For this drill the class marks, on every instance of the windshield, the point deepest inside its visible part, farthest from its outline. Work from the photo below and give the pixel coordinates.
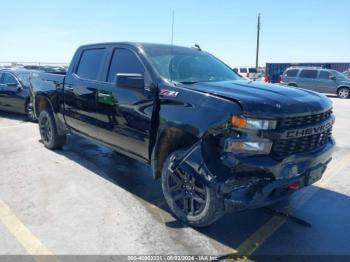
(24, 78)
(187, 65)
(339, 75)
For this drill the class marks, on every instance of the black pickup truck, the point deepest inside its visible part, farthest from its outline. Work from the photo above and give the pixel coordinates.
(218, 143)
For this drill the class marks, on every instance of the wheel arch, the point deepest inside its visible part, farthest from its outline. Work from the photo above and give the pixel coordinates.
(343, 86)
(43, 102)
(169, 139)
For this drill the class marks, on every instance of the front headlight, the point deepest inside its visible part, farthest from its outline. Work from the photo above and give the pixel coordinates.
(252, 123)
(232, 145)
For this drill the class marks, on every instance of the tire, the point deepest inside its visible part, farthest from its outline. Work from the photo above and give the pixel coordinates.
(343, 92)
(292, 85)
(30, 112)
(48, 131)
(198, 206)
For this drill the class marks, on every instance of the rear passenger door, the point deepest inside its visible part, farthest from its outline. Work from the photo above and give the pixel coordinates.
(80, 90)
(308, 79)
(325, 83)
(124, 113)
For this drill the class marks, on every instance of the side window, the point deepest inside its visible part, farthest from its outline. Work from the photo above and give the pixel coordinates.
(292, 73)
(324, 75)
(91, 62)
(124, 61)
(243, 70)
(9, 79)
(307, 73)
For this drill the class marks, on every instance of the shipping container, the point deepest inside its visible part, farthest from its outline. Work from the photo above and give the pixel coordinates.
(275, 70)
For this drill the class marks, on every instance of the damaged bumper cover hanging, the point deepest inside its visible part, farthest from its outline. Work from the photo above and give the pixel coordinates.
(250, 191)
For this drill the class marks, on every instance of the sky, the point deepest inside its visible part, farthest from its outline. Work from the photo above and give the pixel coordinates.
(291, 31)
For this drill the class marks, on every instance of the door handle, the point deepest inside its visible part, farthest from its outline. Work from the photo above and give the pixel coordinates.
(102, 95)
(69, 88)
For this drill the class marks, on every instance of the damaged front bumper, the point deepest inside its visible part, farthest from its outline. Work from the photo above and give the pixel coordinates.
(244, 189)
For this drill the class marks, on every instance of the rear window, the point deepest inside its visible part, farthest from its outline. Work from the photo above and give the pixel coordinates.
(243, 70)
(252, 70)
(308, 73)
(292, 73)
(91, 63)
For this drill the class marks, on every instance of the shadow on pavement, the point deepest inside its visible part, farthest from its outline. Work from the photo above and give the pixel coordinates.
(13, 116)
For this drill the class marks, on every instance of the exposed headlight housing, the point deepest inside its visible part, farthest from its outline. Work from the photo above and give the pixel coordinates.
(232, 145)
(252, 123)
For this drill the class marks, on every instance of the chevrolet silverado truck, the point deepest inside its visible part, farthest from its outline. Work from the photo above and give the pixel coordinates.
(219, 144)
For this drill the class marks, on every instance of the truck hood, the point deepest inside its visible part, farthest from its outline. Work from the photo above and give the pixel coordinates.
(260, 99)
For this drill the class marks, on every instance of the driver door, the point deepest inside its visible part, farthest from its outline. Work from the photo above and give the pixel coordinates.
(124, 113)
(10, 98)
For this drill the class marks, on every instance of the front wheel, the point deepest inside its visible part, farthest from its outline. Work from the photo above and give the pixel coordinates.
(343, 92)
(190, 201)
(48, 131)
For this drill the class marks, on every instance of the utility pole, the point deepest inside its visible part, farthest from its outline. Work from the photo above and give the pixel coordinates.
(172, 28)
(257, 44)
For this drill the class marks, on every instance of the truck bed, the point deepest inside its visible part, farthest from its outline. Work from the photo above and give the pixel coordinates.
(46, 82)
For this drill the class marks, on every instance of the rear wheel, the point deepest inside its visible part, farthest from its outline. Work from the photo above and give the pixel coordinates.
(48, 131)
(190, 201)
(343, 92)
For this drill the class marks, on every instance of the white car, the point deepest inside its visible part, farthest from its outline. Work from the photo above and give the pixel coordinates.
(248, 72)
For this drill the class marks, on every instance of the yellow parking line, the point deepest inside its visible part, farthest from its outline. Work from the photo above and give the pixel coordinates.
(22, 234)
(249, 246)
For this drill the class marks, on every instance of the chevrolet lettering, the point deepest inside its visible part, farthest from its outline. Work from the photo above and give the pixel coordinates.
(310, 131)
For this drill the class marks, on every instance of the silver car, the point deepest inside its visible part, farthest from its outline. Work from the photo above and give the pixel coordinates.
(316, 79)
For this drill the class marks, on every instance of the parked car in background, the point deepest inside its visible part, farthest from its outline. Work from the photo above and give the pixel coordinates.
(48, 69)
(347, 73)
(248, 72)
(15, 92)
(275, 70)
(316, 79)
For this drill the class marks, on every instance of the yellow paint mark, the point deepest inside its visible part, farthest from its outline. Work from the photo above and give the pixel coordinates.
(23, 235)
(249, 246)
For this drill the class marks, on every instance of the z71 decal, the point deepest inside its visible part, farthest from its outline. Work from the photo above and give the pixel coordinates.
(164, 92)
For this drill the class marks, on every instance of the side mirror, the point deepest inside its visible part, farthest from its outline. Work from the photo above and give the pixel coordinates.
(332, 78)
(130, 80)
